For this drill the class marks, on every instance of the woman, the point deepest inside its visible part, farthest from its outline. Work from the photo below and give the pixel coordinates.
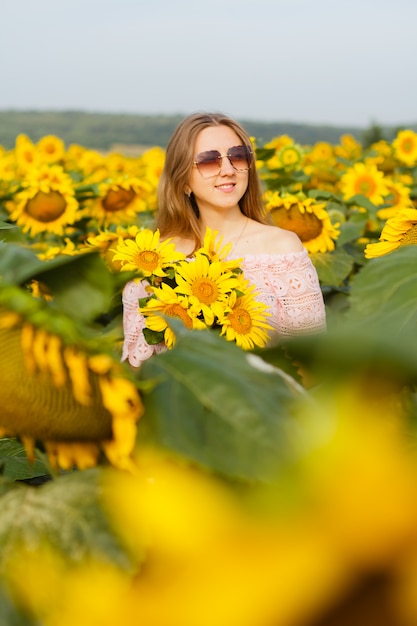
(210, 180)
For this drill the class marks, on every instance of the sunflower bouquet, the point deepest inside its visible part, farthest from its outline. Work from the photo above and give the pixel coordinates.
(207, 291)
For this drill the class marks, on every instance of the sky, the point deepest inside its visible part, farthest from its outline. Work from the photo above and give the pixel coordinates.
(333, 62)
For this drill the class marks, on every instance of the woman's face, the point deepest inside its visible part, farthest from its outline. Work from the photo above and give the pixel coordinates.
(224, 189)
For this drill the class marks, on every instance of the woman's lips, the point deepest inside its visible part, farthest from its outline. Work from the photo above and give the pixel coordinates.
(226, 187)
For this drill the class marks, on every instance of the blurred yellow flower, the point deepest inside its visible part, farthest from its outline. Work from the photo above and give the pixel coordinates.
(349, 148)
(398, 198)
(119, 201)
(405, 147)
(366, 180)
(51, 149)
(46, 204)
(71, 400)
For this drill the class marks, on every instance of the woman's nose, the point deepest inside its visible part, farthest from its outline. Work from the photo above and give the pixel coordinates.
(226, 167)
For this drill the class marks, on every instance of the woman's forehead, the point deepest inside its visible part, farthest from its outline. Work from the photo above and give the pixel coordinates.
(216, 138)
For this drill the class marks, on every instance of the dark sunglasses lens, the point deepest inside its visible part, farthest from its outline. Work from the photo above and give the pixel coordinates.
(240, 157)
(208, 163)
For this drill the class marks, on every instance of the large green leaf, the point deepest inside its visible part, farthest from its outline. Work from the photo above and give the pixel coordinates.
(226, 409)
(386, 288)
(17, 263)
(82, 285)
(14, 462)
(83, 288)
(332, 267)
(351, 231)
(64, 514)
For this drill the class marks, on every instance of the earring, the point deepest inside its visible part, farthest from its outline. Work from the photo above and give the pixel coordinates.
(188, 192)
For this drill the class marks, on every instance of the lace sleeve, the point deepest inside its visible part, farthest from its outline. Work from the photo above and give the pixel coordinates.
(135, 348)
(289, 285)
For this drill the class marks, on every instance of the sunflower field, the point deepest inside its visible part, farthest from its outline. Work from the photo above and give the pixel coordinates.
(222, 483)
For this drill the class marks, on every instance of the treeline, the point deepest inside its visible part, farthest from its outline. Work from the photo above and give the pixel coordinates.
(101, 131)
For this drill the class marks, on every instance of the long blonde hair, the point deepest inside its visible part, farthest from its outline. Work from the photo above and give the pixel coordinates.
(178, 213)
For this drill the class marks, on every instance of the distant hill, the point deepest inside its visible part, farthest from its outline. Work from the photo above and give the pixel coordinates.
(101, 131)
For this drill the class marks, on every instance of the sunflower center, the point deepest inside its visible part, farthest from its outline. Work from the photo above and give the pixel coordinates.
(205, 290)
(306, 225)
(46, 207)
(117, 199)
(240, 321)
(147, 260)
(365, 186)
(410, 237)
(289, 156)
(407, 146)
(176, 310)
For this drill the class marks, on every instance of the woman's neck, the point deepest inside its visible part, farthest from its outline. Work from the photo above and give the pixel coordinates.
(228, 225)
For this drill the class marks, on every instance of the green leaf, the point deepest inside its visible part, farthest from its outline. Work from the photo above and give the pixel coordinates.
(332, 267)
(17, 263)
(386, 288)
(217, 405)
(15, 464)
(364, 202)
(321, 194)
(6, 225)
(83, 287)
(64, 514)
(350, 231)
(153, 337)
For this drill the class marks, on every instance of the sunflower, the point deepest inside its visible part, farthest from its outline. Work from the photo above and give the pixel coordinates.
(288, 155)
(291, 156)
(46, 204)
(400, 230)
(206, 285)
(214, 249)
(405, 147)
(366, 180)
(348, 148)
(166, 302)
(26, 154)
(51, 149)
(245, 322)
(106, 241)
(7, 170)
(74, 399)
(119, 201)
(398, 198)
(322, 151)
(308, 219)
(321, 167)
(146, 254)
(65, 247)
(80, 159)
(384, 157)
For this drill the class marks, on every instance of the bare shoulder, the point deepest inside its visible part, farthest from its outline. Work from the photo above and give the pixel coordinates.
(267, 239)
(186, 246)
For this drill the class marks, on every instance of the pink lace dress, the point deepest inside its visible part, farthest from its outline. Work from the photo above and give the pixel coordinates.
(287, 283)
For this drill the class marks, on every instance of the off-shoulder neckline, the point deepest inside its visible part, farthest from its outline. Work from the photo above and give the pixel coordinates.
(268, 256)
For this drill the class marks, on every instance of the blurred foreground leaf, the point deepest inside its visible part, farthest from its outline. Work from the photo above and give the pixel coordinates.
(15, 464)
(64, 514)
(224, 408)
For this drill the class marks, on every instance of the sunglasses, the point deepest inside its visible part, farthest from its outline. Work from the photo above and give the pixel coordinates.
(210, 163)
